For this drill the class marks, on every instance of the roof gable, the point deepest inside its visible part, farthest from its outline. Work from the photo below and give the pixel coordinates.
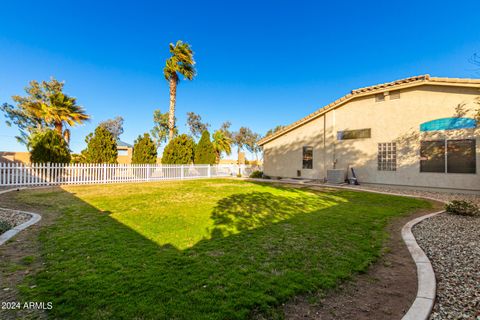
(394, 85)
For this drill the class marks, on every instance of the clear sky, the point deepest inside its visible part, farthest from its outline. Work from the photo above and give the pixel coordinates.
(260, 63)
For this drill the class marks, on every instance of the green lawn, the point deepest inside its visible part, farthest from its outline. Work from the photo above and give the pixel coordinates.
(204, 249)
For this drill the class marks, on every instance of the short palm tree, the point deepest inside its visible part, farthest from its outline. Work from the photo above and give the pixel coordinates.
(61, 110)
(181, 62)
(221, 143)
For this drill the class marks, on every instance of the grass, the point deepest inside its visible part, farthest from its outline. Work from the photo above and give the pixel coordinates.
(204, 249)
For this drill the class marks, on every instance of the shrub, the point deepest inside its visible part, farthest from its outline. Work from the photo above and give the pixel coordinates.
(5, 226)
(180, 150)
(257, 174)
(101, 147)
(205, 152)
(78, 158)
(464, 208)
(48, 146)
(144, 150)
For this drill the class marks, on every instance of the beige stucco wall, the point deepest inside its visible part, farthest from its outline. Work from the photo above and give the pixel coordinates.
(15, 156)
(283, 156)
(390, 121)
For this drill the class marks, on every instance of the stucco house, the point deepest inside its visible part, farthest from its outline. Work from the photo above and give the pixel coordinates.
(420, 131)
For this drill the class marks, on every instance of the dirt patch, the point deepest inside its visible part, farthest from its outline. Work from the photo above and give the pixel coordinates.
(385, 291)
(19, 258)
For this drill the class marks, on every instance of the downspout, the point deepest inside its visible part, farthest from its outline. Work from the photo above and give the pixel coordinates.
(324, 148)
(334, 139)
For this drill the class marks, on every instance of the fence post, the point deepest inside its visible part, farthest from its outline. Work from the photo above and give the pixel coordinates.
(148, 172)
(181, 172)
(104, 173)
(209, 171)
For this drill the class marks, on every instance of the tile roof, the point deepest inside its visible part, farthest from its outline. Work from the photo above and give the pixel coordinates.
(412, 81)
(120, 143)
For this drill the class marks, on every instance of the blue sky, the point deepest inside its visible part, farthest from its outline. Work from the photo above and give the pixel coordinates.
(260, 63)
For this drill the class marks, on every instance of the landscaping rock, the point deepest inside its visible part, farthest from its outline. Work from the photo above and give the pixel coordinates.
(440, 196)
(452, 243)
(13, 217)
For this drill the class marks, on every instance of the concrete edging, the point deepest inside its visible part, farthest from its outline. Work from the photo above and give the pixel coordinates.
(35, 217)
(422, 306)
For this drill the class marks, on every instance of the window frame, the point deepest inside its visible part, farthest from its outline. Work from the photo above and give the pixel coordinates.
(341, 134)
(306, 161)
(446, 155)
(474, 155)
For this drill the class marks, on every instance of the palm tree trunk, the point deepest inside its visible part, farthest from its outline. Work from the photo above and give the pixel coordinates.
(171, 114)
(59, 127)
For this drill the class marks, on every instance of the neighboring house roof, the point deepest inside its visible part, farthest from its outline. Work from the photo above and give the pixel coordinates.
(120, 143)
(394, 85)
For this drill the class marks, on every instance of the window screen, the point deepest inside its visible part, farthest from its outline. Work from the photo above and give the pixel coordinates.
(432, 156)
(461, 156)
(354, 134)
(387, 156)
(307, 158)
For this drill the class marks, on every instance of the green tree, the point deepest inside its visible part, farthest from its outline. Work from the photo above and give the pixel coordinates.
(160, 128)
(144, 150)
(62, 111)
(251, 143)
(240, 138)
(115, 126)
(205, 152)
(44, 106)
(225, 128)
(181, 62)
(246, 138)
(272, 131)
(195, 124)
(180, 150)
(48, 146)
(101, 147)
(221, 143)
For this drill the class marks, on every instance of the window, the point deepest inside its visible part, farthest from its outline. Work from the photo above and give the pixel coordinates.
(307, 158)
(394, 94)
(461, 156)
(450, 156)
(379, 97)
(122, 152)
(432, 156)
(387, 156)
(354, 134)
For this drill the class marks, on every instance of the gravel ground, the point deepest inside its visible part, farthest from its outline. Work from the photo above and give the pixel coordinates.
(13, 218)
(452, 244)
(442, 196)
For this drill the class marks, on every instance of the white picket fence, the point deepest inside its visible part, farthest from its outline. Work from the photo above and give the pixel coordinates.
(45, 174)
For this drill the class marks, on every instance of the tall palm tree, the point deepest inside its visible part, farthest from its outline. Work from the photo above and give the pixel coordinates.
(181, 62)
(59, 111)
(221, 143)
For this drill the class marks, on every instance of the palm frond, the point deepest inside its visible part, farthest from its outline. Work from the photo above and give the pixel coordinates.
(181, 61)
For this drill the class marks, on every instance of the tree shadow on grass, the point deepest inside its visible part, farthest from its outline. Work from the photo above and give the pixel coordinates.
(246, 211)
(268, 247)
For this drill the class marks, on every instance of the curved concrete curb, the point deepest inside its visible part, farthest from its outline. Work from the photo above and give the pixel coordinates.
(426, 291)
(35, 217)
